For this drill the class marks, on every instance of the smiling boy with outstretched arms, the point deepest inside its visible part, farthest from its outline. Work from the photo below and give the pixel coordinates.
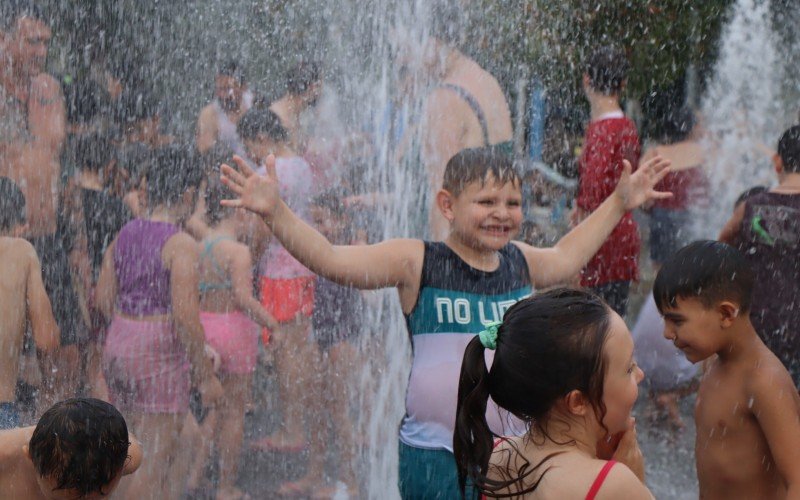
(448, 289)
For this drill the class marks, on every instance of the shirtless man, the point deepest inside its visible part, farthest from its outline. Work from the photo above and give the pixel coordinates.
(218, 120)
(23, 299)
(32, 131)
(303, 90)
(466, 107)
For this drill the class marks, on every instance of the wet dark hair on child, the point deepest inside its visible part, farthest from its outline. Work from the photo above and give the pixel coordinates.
(607, 68)
(678, 124)
(475, 165)
(302, 76)
(447, 22)
(136, 105)
(231, 68)
(12, 205)
(262, 122)
(175, 170)
(215, 192)
(82, 443)
(547, 346)
(332, 200)
(93, 152)
(789, 150)
(708, 271)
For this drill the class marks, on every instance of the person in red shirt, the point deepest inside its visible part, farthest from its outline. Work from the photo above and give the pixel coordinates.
(611, 139)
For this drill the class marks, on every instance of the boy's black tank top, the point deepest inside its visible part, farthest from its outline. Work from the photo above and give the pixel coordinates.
(770, 241)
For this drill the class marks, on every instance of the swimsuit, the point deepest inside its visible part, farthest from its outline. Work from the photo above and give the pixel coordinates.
(506, 147)
(208, 252)
(144, 362)
(233, 335)
(600, 479)
(336, 316)
(286, 285)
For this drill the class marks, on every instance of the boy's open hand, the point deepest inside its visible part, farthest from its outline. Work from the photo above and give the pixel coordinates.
(256, 193)
(636, 188)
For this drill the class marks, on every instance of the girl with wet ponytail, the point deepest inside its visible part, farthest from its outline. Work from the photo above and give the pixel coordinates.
(563, 363)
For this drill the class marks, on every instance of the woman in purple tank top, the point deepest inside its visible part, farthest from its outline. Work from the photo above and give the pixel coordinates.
(153, 352)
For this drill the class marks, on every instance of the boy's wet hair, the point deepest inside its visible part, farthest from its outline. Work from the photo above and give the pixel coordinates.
(547, 346)
(231, 68)
(607, 68)
(475, 165)
(176, 169)
(447, 23)
(81, 443)
(93, 152)
(12, 205)
(707, 271)
(262, 122)
(302, 76)
(136, 105)
(789, 150)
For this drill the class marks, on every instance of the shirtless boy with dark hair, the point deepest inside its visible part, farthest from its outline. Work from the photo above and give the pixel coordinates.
(748, 410)
(22, 299)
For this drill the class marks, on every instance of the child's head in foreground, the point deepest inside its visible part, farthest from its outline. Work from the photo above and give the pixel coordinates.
(787, 160)
(563, 360)
(606, 71)
(703, 290)
(262, 132)
(12, 208)
(79, 449)
(481, 198)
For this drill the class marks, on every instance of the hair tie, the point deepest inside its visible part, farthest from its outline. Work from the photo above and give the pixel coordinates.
(489, 335)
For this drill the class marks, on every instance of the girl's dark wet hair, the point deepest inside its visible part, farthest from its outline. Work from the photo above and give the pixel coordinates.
(262, 122)
(607, 68)
(547, 346)
(708, 271)
(82, 443)
(475, 165)
(216, 191)
(12, 205)
(175, 170)
(302, 76)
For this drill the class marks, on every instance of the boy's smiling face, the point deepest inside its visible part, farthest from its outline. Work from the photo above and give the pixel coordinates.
(486, 215)
(694, 328)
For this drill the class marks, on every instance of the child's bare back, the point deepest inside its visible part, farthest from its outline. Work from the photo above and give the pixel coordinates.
(734, 459)
(22, 299)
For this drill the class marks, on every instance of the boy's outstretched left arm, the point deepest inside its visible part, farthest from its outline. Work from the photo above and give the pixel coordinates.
(550, 266)
(776, 406)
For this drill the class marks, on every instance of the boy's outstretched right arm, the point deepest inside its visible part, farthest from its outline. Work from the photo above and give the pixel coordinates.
(392, 263)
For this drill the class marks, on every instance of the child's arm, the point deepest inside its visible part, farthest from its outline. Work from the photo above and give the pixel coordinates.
(776, 406)
(106, 289)
(46, 335)
(390, 263)
(182, 255)
(550, 266)
(242, 284)
(731, 229)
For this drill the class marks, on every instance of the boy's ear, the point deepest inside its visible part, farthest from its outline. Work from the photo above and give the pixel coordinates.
(27, 451)
(586, 83)
(777, 162)
(576, 403)
(445, 201)
(728, 312)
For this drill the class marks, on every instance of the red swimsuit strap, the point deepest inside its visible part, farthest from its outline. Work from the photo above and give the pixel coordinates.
(601, 477)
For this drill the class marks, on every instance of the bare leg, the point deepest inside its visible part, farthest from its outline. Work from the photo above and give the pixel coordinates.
(196, 442)
(158, 433)
(230, 431)
(291, 352)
